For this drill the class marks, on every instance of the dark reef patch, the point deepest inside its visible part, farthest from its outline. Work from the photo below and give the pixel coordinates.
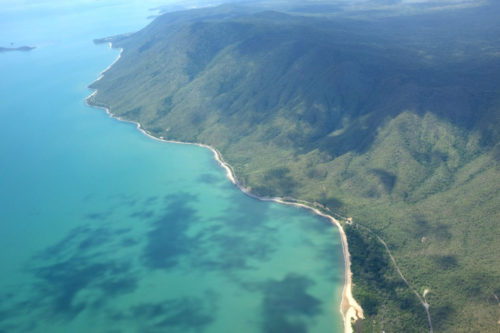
(246, 216)
(60, 283)
(168, 240)
(142, 214)
(95, 238)
(239, 237)
(185, 314)
(230, 252)
(121, 199)
(58, 249)
(98, 216)
(151, 200)
(129, 241)
(81, 240)
(287, 306)
(75, 274)
(229, 244)
(208, 178)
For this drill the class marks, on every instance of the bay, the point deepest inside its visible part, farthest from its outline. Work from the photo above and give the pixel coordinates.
(106, 230)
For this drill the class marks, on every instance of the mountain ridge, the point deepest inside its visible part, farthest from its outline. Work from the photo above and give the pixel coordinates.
(393, 130)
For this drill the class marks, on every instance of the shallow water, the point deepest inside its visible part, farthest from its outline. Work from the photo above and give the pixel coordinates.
(105, 230)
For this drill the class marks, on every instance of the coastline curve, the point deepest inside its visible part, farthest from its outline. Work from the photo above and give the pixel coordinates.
(350, 309)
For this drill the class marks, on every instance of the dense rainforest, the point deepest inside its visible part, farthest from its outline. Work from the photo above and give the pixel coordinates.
(390, 116)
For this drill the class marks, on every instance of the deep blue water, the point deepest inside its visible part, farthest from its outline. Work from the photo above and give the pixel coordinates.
(105, 230)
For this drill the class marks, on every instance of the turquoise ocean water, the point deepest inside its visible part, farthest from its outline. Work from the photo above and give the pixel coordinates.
(103, 229)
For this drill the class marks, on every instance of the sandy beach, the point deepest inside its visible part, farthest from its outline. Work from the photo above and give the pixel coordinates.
(101, 74)
(349, 308)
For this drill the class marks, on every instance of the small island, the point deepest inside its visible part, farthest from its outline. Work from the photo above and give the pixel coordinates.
(20, 48)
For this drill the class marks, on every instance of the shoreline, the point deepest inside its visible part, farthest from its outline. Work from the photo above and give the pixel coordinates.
(350, 310)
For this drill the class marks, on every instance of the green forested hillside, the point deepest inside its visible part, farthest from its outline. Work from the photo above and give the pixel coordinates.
(394, 121)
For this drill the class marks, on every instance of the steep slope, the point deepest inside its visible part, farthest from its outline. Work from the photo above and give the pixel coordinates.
(393, 121)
